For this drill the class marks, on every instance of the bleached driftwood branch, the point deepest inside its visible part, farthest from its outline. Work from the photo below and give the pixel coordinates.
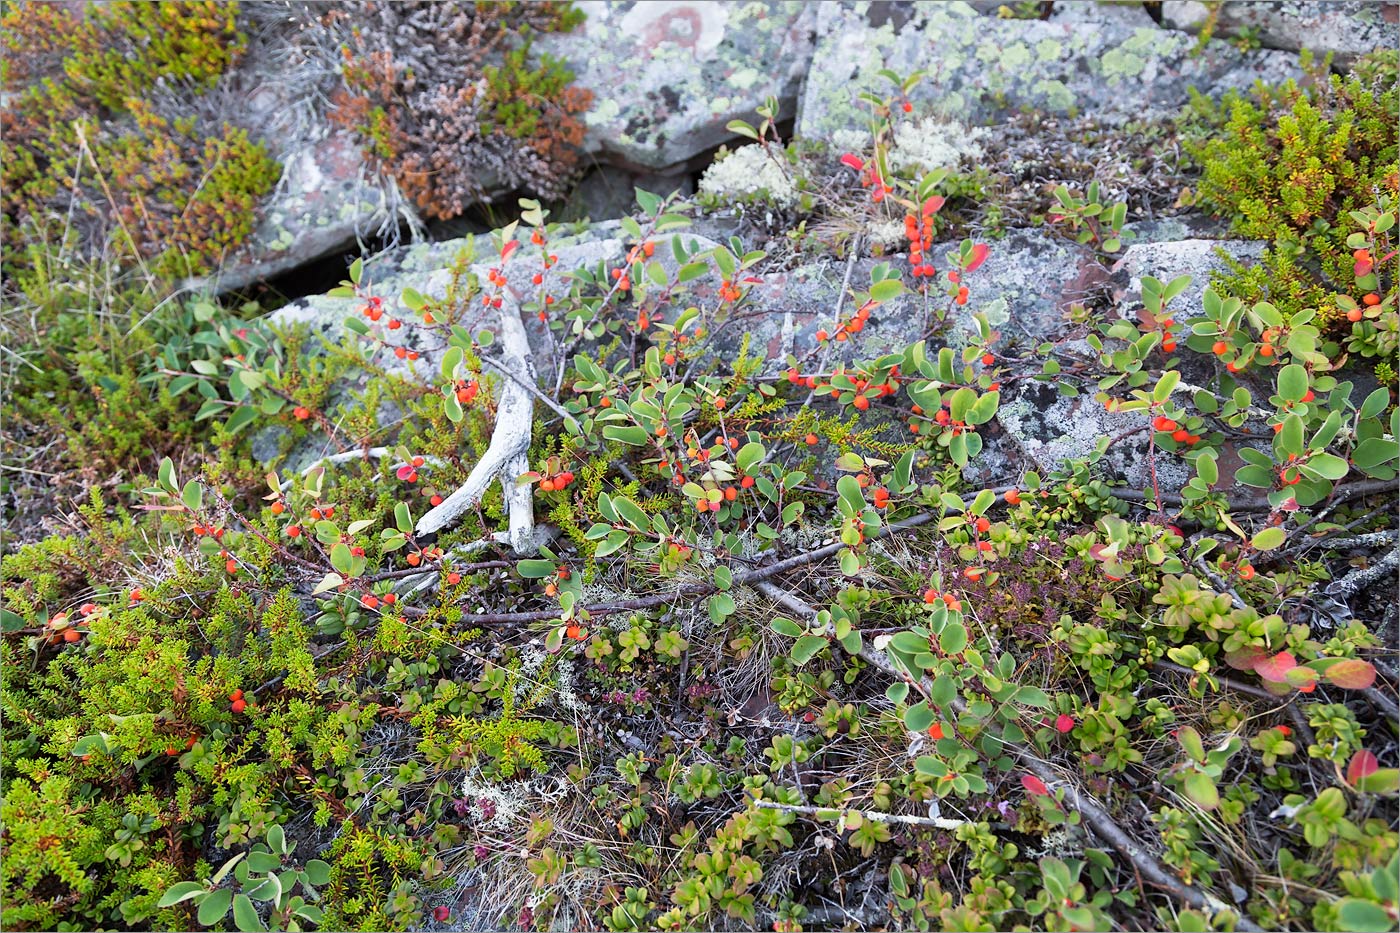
(506, 456)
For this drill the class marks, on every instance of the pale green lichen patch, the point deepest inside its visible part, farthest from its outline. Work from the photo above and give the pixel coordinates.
(750, 173)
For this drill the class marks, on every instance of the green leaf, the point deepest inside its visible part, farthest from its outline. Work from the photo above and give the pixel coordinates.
(785, 626)
(1358, 916)
(850, 493)
(723, 577)
(245, 915)
(750, 454)
(1200, 788)
(535, 569)
(1166, 385)
(1375, 403)
(192, 496)
(1374, 451)
(10, 621)
(953, 638)
(886, 290)
(615, 540)
(180, 891)
(1327, 466)
(626, 434)
(213, 907)
(318, 872)
(1268, 539)
(1032, 696)
(1293, 382)
(806, 648)
(243, 416)
(918, 717)
(357, 269)
(896, 693)
(341, 558)
(721, 606)
(631, 513)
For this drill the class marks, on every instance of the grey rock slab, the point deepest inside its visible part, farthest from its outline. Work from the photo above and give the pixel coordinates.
(980, 68)
(1199, 259)
(668, 75)
(1347, 28)
(325, 202)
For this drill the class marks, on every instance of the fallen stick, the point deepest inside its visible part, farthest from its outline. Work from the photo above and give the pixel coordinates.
(874, 817)
(506, 456)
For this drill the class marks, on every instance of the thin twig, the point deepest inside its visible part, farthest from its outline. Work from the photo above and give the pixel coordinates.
(873, 816)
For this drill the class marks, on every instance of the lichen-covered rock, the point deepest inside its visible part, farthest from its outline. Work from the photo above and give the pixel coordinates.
(979, 68)
(668, 75)
(1346, 28)
(325, 201)
(1165, 261)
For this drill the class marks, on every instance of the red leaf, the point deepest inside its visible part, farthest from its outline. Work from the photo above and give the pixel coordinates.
(1064, 723)
(979, 256)
(509, 248)
(1351, 674)
(933, 204)
(1363, 763)
(1273, 669)
(1245, 658)
(1034, 785)
(853, 161)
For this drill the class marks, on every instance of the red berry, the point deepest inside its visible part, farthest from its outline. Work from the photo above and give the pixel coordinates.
(441, 913)
(239, 705)
(454, 578)
(369, 601)
(861, 402)
(1220, 348)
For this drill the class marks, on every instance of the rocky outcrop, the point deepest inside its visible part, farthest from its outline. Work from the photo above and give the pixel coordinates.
(1346, 28)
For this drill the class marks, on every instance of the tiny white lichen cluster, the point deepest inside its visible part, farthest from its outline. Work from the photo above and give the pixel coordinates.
(931, 143)
(749, 173)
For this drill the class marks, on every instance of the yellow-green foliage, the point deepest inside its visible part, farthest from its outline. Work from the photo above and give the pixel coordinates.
(83, 142)
(1287, 165)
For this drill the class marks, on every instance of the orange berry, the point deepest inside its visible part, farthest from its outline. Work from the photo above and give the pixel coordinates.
(1372, 299)
(239, 705)
(231, 565)
(822, 335)
(71, 635)
(1354, 315)
(721, 402)
(988, 359)
(984, 524)
(861, 402)
(1220, 348)
(369, 601)
(1247, 572)
(731, 493)
(1180, 435)
(930, 596)
(293, 531)
(703, 505)
(547, 485)
(454, 578)
(1012, 497)
(1267, 350)
(278, 507)
(811, 440)
(669, 359)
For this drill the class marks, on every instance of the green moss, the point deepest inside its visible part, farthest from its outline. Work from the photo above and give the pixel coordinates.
(82, 140)
(1287, 165)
